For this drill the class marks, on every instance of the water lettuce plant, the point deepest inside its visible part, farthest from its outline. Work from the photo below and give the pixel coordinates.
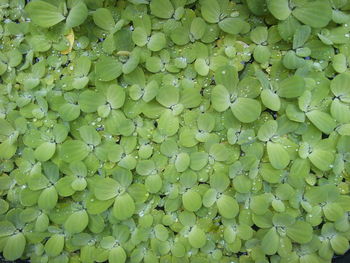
(174, 130)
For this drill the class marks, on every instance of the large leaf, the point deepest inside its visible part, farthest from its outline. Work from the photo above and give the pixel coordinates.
(227, 206)
(45, 151)
(279, 8)
(74, 150)
(106, 188)
(270, 242)
(76, 222)
(161, 8)
(196, 237)
(246, 110)
(54, 245)
(77, 14)
(43, 13)
(314, 13)
(14, 247)
(300, 232)
(103, 18)
(124, 207)
(211, 11)
(278, 155)
(323, 121)
(107, 69)
(220, 98)
(291, 87)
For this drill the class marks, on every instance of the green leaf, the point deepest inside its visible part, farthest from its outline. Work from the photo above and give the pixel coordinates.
(232, 25)
(44, 14)
(103, 18)
(339, 244)
(227, 206)
(219, 152)
(301, 35)
(198, 27)
(210, 10)
(6, 228)
(157, 42)
(77, 15)
(267, 130)
(74, 150)
(182, 162)
(69, 112)
(54, 246)
(117, 255)
(278, 155)
(270, 100)
(48, 198)
(45, 151)
(322, 159)
(168, 124)
(197, 237)
(14, 247)
(89, 101)
(76, 222)
(333, 211)
(115, 96)
(191, 200)
(315, 14)
(270, 242)
(106, 188)
(89, 135)
(323, 121)
(201, 67)
(124, 207)
(300, 232)
(161, 8)
(291, 87)
(220, 98)
(107, 69)
(246, 110)
(279, 8)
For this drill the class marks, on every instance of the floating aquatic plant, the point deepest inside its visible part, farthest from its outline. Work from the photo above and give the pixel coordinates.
(174, 130)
